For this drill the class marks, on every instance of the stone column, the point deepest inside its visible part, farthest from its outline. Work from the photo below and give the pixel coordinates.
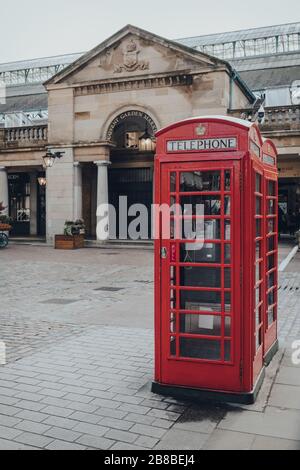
(33, 203)
(4, 188)
(77, 191)
(102, 190)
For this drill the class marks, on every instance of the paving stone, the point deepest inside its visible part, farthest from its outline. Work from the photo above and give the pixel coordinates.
(288, 376)
(146, 442)
(274, 422)
(34, 440)
(62, 434)
(35, 416)
(125, 446)
(110, 413)
(100, 443)
(92, 429)
(229, 440)
(285, 396)
(8, 421)
(124, 436)
(64, 423)
(182, 440)
(33, 427)
(8, 432)
(11, 445)
(116, 423)
(61, 445)
(57, 411)
(271, 443)
(147, 430)
(86, 417)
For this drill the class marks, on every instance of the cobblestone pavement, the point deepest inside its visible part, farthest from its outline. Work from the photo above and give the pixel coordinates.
(86, 362)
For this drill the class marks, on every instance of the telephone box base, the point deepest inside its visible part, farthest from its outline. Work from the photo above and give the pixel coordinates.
(201, 395)
(271, 353)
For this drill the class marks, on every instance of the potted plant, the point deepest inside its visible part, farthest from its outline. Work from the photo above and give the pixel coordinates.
(73, 237)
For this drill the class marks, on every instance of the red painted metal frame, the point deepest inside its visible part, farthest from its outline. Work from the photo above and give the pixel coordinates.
(242, 372)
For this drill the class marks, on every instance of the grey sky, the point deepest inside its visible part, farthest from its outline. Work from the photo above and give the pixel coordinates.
(37, 28)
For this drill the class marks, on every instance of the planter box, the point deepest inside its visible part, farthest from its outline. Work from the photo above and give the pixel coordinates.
(5, 227)
(68, 242)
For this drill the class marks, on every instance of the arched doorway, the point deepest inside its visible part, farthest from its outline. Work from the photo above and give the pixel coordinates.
(131, 171)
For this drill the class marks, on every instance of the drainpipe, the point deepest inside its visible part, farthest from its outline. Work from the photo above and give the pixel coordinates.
(232, 79)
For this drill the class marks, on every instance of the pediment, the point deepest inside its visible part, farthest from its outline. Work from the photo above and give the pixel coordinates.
(134, 52)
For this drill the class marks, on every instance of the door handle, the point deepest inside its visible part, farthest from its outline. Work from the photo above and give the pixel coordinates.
(164, 253)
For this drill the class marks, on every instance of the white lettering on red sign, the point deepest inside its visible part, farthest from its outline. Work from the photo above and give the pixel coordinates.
(226, 143)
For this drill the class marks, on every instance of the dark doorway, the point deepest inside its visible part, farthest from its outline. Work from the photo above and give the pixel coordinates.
(134, 183)
(19, 203)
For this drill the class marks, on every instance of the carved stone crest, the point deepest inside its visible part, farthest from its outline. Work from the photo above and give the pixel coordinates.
(131, 61)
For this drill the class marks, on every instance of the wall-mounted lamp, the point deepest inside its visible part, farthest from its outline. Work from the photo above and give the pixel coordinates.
(42, 181)
(146, 142)
(50, 158)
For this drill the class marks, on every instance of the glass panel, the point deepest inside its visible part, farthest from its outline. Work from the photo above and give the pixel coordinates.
(173, 275)
(200, 181)
(200, 348)
(227, 254)
(258, 228)
(258, 317)
(173, 296)
(173, 323)
(227, 302)
(258, 205)
(271, 244)
(196, 205)
(271, 206)
(200, 301)
(200, 277)
(173, 346)
(271, 298)
(258, 340)
(228, 326)
(193, 229)
(271, 225)
(227, 278)
(227, 208)
(258, 183)
(271, 188)
(271, 316)
(207, 325)
(258, 251)
(271, 280)
(200, 253)
(227, 180)
(258, 271)
(173, 182)
(227, 351)
(257, 296)
(227, 230)
(271, 262)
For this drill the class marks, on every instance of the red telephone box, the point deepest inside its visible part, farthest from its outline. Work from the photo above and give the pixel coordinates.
(215, 292)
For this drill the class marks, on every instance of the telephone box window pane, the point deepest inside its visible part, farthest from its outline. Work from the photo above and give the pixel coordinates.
(192, 229)
(173, 182)
(227, 302)
(173, 275)
(258, 205)
(227, 230)
(173, 297)
(271, 280)
(200, 253)
(200, 348)
(227, 278)
(172, 323)
(258, 251)
(271, 316)
(271, 225)
(258, 340)
(227, 351)
(258, 317)
(271, 298)
(200, 181)
(271, 262)
(199, 204)
(191, 276)
(258, 183)
(206, 325)
(227, 208)
(271, 207)
(271, 244)
(227, 254)
(258, 228)
(227, 180)
(257, 296)
(258, 270)
(228, 326)
(200, 301)
(173, 346)
(271, 188)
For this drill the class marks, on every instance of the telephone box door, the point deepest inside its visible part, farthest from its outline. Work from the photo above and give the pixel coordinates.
(201, 276)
